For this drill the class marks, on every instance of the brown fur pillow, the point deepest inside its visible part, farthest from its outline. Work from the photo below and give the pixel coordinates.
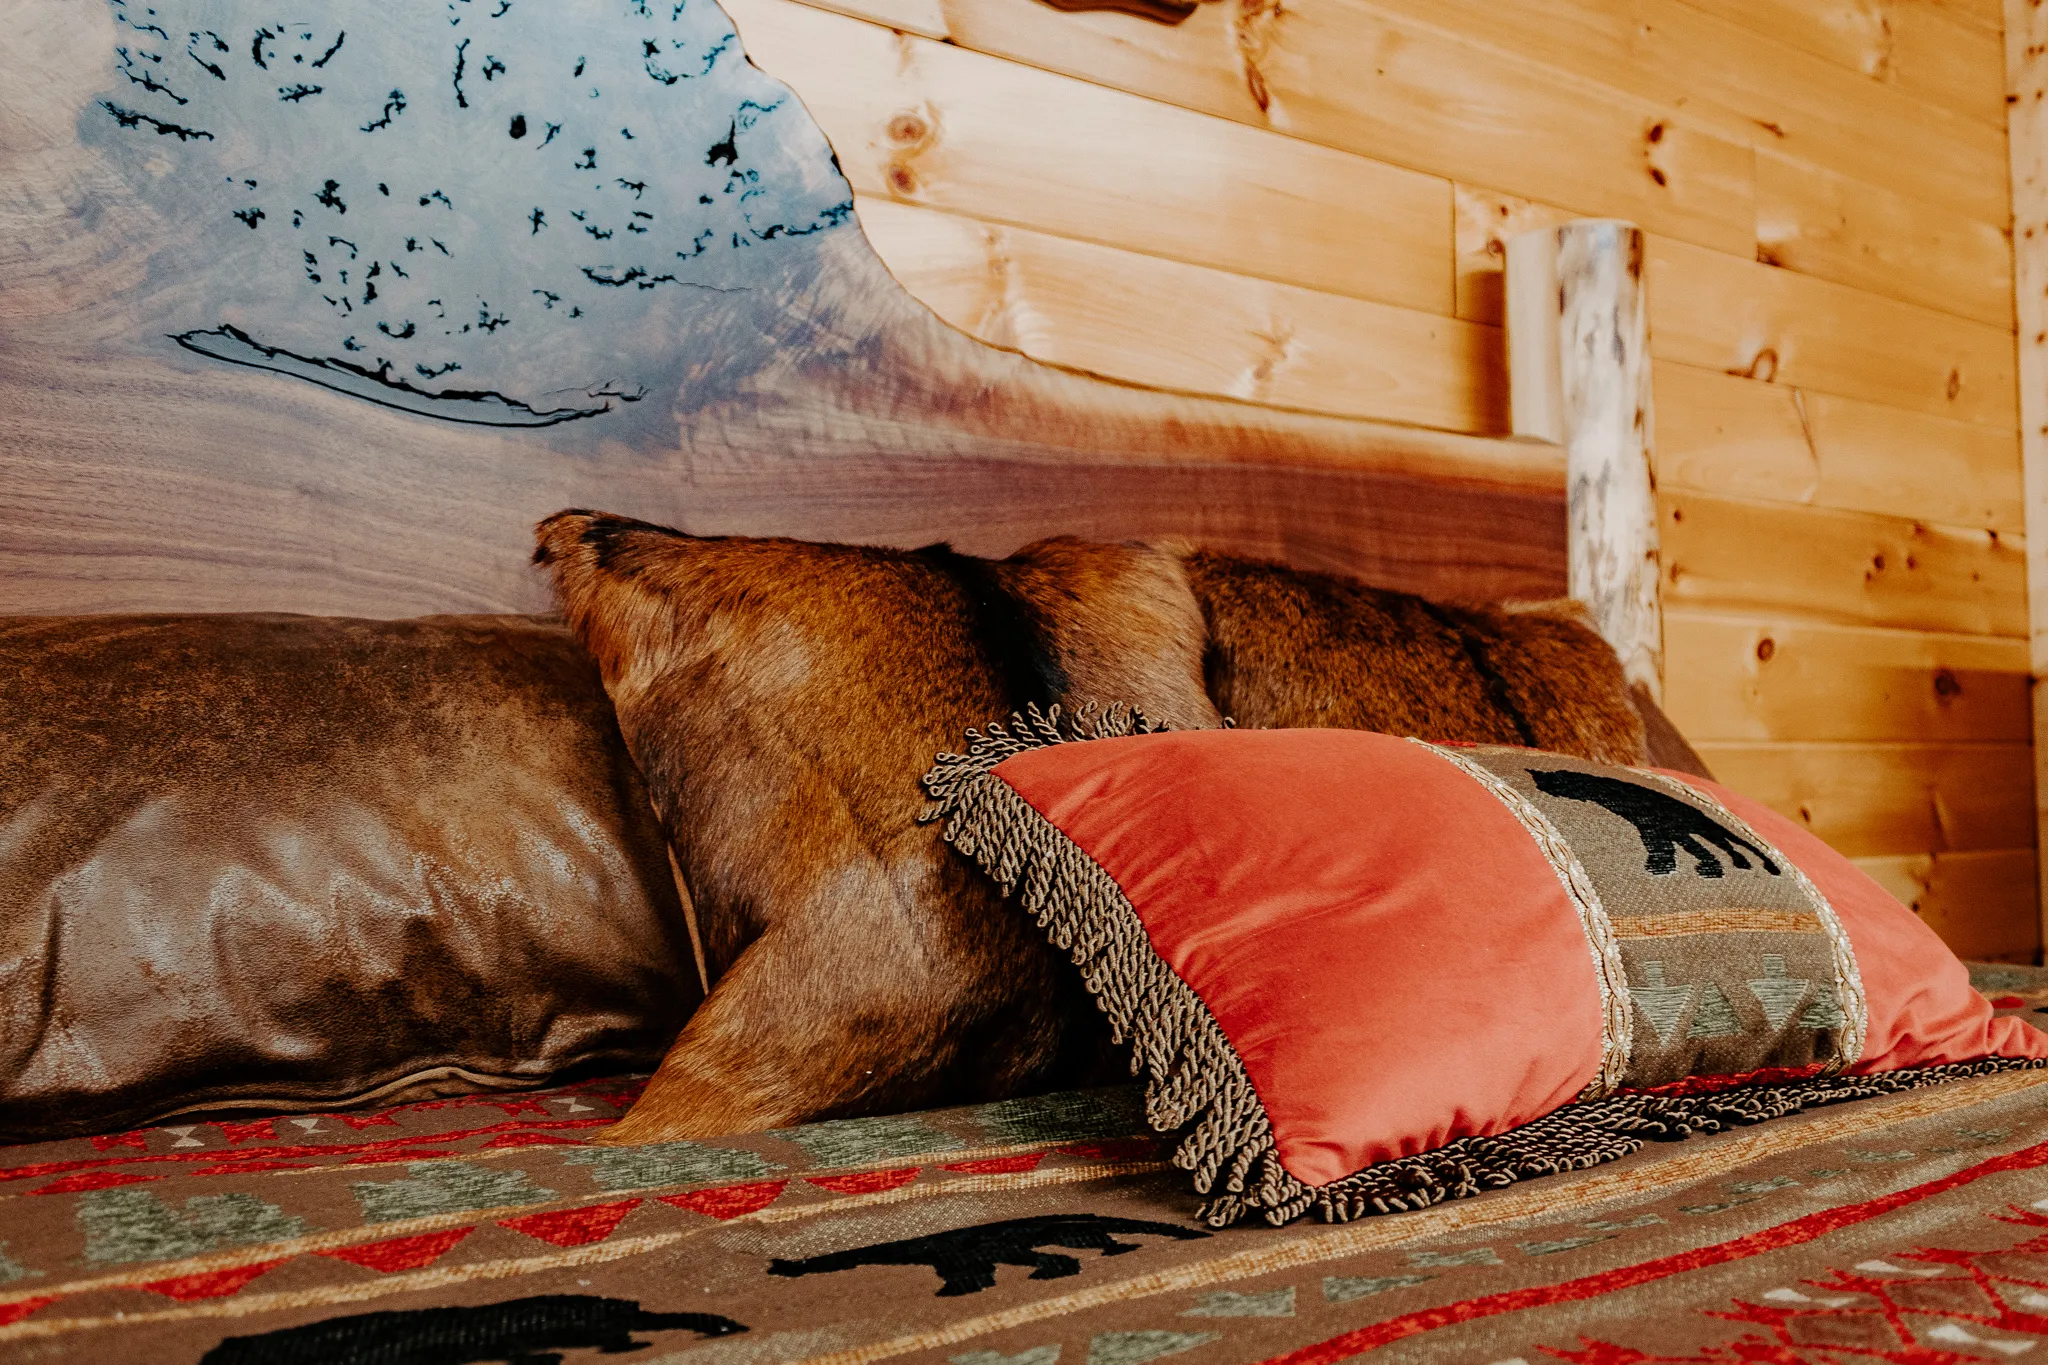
(1290, 649)
(783, 700)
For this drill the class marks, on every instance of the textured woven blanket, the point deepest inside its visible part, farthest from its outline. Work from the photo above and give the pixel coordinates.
(1039, 1232)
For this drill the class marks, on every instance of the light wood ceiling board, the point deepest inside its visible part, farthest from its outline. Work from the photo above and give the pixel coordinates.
(932, 124)
(1819, 223)
(1874, 800)
(1405, 91)
(1742, 317)
(1152, 321)
(1782, 678)
(1734, 437)
(1919, 48)
(1849, 567)
(1982, 903)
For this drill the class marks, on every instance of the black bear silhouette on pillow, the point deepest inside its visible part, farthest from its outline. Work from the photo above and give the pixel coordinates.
(1664, 823)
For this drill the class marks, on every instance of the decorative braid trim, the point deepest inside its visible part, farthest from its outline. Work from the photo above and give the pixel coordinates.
(1194, 1078)
(1589, 1133)
(1196, 1083)
(1617, 1007)
(1849, 993)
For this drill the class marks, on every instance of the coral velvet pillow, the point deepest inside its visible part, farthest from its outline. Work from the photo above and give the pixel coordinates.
(1369, 973)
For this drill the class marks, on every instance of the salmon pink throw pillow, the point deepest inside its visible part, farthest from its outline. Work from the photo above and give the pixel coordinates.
(1366, 974)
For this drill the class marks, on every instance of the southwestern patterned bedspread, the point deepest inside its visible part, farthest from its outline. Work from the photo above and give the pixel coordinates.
(1035, 1232)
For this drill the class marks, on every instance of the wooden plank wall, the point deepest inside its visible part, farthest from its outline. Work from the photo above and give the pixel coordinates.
(1300, 203)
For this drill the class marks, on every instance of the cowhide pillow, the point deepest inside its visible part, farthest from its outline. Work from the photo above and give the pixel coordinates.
(783, 699)
(293, 862)
(1291, 649)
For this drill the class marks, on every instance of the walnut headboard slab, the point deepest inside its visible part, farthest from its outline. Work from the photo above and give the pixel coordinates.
(330, 355)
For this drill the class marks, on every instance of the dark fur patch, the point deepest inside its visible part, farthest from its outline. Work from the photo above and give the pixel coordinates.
(1290, 648)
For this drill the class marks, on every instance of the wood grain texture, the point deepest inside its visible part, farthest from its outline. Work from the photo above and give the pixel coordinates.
(1922, 49)
(1869, 800)
(932, 124)
(1744, 86)
(1152, 321)
(1484, 222)
(1787, 679)
(1743, 317)
(1743, 438)
(2026, 66)
(1403, 89)
(1609, 427)
(803, 392)
(1821, 223)
(1847, 567)
(1982, 904)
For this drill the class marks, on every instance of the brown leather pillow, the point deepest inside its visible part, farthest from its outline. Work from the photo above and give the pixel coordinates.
(289, 862)
(1292, 649)
(784, 699)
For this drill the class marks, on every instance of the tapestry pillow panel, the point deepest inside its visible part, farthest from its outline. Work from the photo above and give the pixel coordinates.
(1366, 974)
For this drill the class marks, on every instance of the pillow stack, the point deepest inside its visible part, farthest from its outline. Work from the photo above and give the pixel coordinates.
(784, 699)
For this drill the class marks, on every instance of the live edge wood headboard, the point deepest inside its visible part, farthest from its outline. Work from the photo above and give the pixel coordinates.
(322, 317)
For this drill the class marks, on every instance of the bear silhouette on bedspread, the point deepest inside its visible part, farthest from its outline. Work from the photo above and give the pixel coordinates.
(966, 1258)
(1664, 823)
(529, 1331)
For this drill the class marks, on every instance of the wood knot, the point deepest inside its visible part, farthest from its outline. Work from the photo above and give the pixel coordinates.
(908, 128)
(1765, 648)
(1955, 384)
(1946, 685)
(1763, 367)
(902, 179)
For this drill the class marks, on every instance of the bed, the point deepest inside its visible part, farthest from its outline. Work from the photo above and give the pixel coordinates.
(258, 459)
(1034, 1230)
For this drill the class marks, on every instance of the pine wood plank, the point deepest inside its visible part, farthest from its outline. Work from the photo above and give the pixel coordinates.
(1484, 221)
(1782, 678)
(927, 123)
(1402, 90)
(1988, 15)
(1847, 567)
(1873, 800)
(1982, 904)
(1742, 317)
(1736, 437)
(2026, 50)
(1919, 48)
(1169, 325)
(1743, 86)
(1820, 223)
(926, 18)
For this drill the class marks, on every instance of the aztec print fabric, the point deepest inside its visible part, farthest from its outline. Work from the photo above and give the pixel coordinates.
(1366, 974)
(1050, 1231)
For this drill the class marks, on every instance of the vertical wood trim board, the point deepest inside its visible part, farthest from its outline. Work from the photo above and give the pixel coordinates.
(1579, 366)
(2026, 76)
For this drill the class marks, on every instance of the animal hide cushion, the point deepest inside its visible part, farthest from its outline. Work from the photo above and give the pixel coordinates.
(783, 699)
(1292, 649)
(1365, 974)
(287, 862)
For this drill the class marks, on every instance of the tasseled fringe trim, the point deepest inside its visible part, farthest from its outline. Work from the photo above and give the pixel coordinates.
(1195, 1082)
